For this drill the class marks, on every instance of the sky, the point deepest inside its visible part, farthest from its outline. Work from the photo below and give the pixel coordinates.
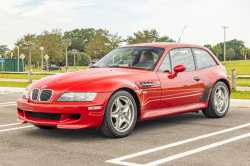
(203, 18)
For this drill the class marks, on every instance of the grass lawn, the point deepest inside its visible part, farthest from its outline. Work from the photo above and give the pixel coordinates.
(240, 95)
(22, 76)
(14, 84)
(242, 82)
(38, 77)
(71, 68)
(242, 67)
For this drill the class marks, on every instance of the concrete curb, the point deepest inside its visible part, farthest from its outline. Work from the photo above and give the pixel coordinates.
(233, 102)
(239, 102)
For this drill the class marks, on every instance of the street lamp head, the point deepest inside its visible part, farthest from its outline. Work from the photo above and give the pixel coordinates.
(69, 42)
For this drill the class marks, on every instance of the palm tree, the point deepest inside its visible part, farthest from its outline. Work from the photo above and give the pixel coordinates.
(244, 52)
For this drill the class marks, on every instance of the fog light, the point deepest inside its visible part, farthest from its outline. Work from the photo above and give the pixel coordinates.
(95, 108)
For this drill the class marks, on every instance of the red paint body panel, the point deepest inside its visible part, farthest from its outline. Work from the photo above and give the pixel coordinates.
(180, 90)
(169, 95)
(172, 110)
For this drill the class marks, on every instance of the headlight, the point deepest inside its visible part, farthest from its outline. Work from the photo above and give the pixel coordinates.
(77, 96)
(26, 94)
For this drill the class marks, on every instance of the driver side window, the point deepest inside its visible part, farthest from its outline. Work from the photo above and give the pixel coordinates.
(182, 56)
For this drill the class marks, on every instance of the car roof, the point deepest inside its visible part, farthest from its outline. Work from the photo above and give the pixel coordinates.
(161, 44)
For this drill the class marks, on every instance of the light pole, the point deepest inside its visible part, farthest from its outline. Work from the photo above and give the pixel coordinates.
(18, 57)
(29, 72)
(224, 43)
(74, 51)
(42, 48)
(67, 43)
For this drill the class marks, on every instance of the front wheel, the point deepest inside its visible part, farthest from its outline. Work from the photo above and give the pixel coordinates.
(120, 116)
(219, 101)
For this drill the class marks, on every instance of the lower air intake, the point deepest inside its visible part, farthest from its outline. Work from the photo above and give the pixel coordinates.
(45, 116)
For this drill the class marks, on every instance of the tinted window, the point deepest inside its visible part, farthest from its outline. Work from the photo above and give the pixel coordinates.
(203, 58)
(165, 65)
(182, 56)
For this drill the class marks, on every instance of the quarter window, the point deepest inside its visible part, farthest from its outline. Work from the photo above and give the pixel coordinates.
(203, 58)
(182, 56)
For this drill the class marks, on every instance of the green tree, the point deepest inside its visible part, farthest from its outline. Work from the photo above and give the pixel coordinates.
(237, 45)
(209, 47)
(147, 36)
(248, 54)
(217, 50)
(31, 41)
(244, 52)
(82, 59)
(114, 40)
(230, 53)
(51, 41)
(80, 37)
(102, 43)
(3, 49)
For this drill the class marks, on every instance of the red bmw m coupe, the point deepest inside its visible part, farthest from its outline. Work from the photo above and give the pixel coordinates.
(132, 83)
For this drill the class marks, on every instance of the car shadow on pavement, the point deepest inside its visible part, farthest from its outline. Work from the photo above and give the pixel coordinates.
(94, 135)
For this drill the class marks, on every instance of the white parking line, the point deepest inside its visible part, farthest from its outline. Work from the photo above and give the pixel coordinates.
(10, 124)
(8, 103)
(197, 150)
(119, 160)
(15, 128)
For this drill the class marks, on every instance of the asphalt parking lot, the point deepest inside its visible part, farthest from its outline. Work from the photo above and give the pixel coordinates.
(187, 139)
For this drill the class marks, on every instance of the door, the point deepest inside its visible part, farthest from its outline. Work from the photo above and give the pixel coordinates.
(187, 87)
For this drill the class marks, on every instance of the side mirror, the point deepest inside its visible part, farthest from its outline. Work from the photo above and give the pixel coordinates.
(178, 68)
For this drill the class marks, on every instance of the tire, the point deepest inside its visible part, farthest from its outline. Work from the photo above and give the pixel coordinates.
(120, 115)
(60, 69)
(45, 127)
(219, 101)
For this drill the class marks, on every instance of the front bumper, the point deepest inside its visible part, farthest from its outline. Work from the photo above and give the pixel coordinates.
(66, 110)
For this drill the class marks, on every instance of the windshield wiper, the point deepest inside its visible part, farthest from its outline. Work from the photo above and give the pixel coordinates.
(113, 65)
(93, 67)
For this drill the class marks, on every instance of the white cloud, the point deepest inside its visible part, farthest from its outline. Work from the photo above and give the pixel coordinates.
(204, 18)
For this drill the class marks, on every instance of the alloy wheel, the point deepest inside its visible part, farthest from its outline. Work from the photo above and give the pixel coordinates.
(122, 114)
(221, 99)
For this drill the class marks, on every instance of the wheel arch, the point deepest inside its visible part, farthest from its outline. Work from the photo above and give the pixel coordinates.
(227, 84)
(137, 101)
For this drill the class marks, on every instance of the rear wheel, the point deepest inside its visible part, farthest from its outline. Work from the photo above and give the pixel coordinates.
(120, 116)
(45, 127)
(218, 104)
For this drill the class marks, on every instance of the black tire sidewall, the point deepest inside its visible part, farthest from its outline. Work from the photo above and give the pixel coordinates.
(108, 113)
(219, 115)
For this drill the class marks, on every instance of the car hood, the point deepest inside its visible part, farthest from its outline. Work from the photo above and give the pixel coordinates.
(68, 80)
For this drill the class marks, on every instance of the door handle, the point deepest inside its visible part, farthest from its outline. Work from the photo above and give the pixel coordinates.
(197, 78)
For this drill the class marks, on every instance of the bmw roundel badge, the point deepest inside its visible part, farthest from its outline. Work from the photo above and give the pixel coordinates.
(44, 86)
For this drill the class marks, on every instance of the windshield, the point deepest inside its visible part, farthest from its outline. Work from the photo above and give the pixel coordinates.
(144, 58)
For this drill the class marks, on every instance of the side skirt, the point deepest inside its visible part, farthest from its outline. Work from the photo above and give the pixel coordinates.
(158, 113)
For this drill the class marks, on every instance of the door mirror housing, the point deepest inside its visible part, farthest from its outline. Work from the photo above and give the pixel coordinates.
(178, 68)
